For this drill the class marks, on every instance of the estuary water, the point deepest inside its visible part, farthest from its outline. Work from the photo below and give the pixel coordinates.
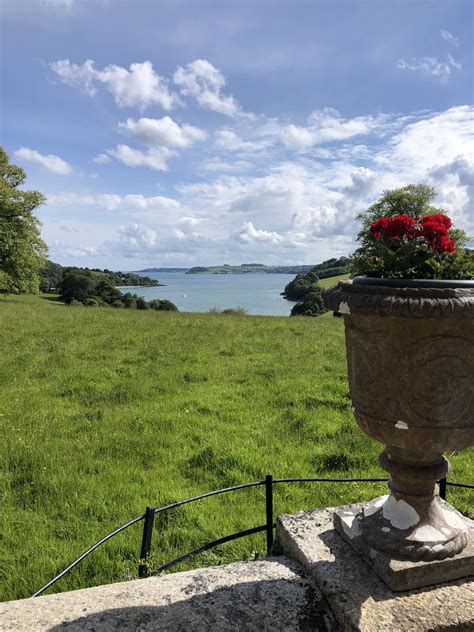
(257, 293)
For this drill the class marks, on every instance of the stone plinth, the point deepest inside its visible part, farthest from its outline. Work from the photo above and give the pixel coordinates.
(266, 595)
(360, 600)
(405, 574)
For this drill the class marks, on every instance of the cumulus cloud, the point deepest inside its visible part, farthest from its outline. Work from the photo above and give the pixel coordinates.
(449, 37)
(114, 202)
(154, 158)
(227, 140)
(139, 87)
(102, 159)
(50, 161)
(301, 209)
(137, 239)
(431, 66)
(163, 131)
(204, 82)
(324, 126)
(223, 166)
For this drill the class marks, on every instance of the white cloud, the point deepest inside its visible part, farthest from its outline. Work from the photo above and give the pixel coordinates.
(102, 159)
(154, 158)
(431, 66)
(422, 145)
(139, 87)
(162, 132)
(222, 166)
(227, 140)
(297, 210)
(113, 202)
(51, 162)
(449, 37)
(324, 126)
(137, 239)
(204, 82)
(58, 4)
(249, 234)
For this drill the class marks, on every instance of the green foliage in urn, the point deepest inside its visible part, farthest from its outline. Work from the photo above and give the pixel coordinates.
(22, 251)
(404, 236)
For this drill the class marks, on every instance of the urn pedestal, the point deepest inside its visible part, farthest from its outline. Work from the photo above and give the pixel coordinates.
(410, 357)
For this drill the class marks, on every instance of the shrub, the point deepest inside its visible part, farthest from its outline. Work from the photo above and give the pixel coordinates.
(235, 311)
(91, 302)
(163, 305)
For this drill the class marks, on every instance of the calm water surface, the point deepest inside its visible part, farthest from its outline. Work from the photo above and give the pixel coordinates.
(257, 293)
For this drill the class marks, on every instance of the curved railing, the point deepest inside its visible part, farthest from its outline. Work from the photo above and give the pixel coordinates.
(268, 527)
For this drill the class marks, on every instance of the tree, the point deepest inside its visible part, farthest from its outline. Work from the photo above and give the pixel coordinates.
(77, 285)
(374, 259)
(22, 251)
(312, 304)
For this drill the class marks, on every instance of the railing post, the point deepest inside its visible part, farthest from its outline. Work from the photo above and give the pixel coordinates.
(146, 542)
(442, 488)
(269, 510)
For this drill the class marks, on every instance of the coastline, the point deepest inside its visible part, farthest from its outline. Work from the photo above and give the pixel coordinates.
(126, 287)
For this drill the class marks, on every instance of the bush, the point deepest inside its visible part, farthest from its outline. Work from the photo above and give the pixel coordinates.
(313, 303)
(163, 305)
(142, 304)
(75, 303)
(91, 302)
(235, 311)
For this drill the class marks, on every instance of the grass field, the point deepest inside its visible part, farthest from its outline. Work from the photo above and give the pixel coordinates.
(103, 412)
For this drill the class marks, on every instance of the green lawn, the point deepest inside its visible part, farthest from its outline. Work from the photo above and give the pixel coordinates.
(105, 411)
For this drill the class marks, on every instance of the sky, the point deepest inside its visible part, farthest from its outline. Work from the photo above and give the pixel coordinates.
(185, 133)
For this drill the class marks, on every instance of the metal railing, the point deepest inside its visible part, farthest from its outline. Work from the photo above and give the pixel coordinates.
(149, 516)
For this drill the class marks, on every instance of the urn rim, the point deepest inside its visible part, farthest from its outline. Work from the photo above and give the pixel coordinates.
(414, 283)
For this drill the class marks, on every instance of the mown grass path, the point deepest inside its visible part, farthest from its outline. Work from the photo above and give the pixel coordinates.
(104, 411)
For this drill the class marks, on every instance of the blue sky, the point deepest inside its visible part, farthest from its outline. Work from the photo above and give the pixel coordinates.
(184, 133)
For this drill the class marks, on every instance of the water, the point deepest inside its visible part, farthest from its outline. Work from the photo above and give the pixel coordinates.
(256, 293)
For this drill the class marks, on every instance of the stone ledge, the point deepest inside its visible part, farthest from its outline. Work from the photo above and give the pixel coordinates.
(270, 594)
(360, 600)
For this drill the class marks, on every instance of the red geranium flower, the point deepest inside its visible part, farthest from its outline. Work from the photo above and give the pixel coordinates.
(394, 227)
(440, 218)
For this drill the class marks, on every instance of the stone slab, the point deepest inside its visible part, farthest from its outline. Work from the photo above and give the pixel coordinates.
(401, 574)
(266, 595)
(358, 598)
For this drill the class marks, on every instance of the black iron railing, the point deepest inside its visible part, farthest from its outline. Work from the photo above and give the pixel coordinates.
(269, 526)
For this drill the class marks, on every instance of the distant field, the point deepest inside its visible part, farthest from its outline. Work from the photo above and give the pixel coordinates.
(329, 282)
(105, 411)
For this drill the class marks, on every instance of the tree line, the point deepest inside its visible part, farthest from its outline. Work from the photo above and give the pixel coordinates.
(305, 288)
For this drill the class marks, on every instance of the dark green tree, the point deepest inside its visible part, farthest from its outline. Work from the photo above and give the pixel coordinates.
(77, 285)
(312, 304)
(22, 251)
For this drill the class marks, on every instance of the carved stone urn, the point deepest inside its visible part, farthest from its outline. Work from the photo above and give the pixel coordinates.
(410, 357)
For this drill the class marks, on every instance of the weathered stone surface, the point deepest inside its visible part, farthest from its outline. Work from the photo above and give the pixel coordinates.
(405, 574)
(270, 594)
(358, 598)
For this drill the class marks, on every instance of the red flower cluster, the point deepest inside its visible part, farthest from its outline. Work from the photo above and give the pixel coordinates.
(434, 228)
(394, 227)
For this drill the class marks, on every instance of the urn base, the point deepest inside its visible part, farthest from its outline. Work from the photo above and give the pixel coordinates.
(404, 574)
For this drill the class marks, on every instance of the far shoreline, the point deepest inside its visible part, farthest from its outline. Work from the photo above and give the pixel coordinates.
(131, 287)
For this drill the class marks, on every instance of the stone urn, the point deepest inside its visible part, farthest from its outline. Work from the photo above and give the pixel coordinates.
(410, 357)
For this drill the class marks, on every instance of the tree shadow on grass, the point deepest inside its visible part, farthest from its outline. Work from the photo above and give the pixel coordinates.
(52, 299)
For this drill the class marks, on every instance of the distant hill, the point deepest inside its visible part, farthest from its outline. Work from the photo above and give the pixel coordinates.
(162, 270)
(249, 268)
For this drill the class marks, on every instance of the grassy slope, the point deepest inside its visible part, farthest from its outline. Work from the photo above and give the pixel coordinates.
(330, 281)
(103, 412)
